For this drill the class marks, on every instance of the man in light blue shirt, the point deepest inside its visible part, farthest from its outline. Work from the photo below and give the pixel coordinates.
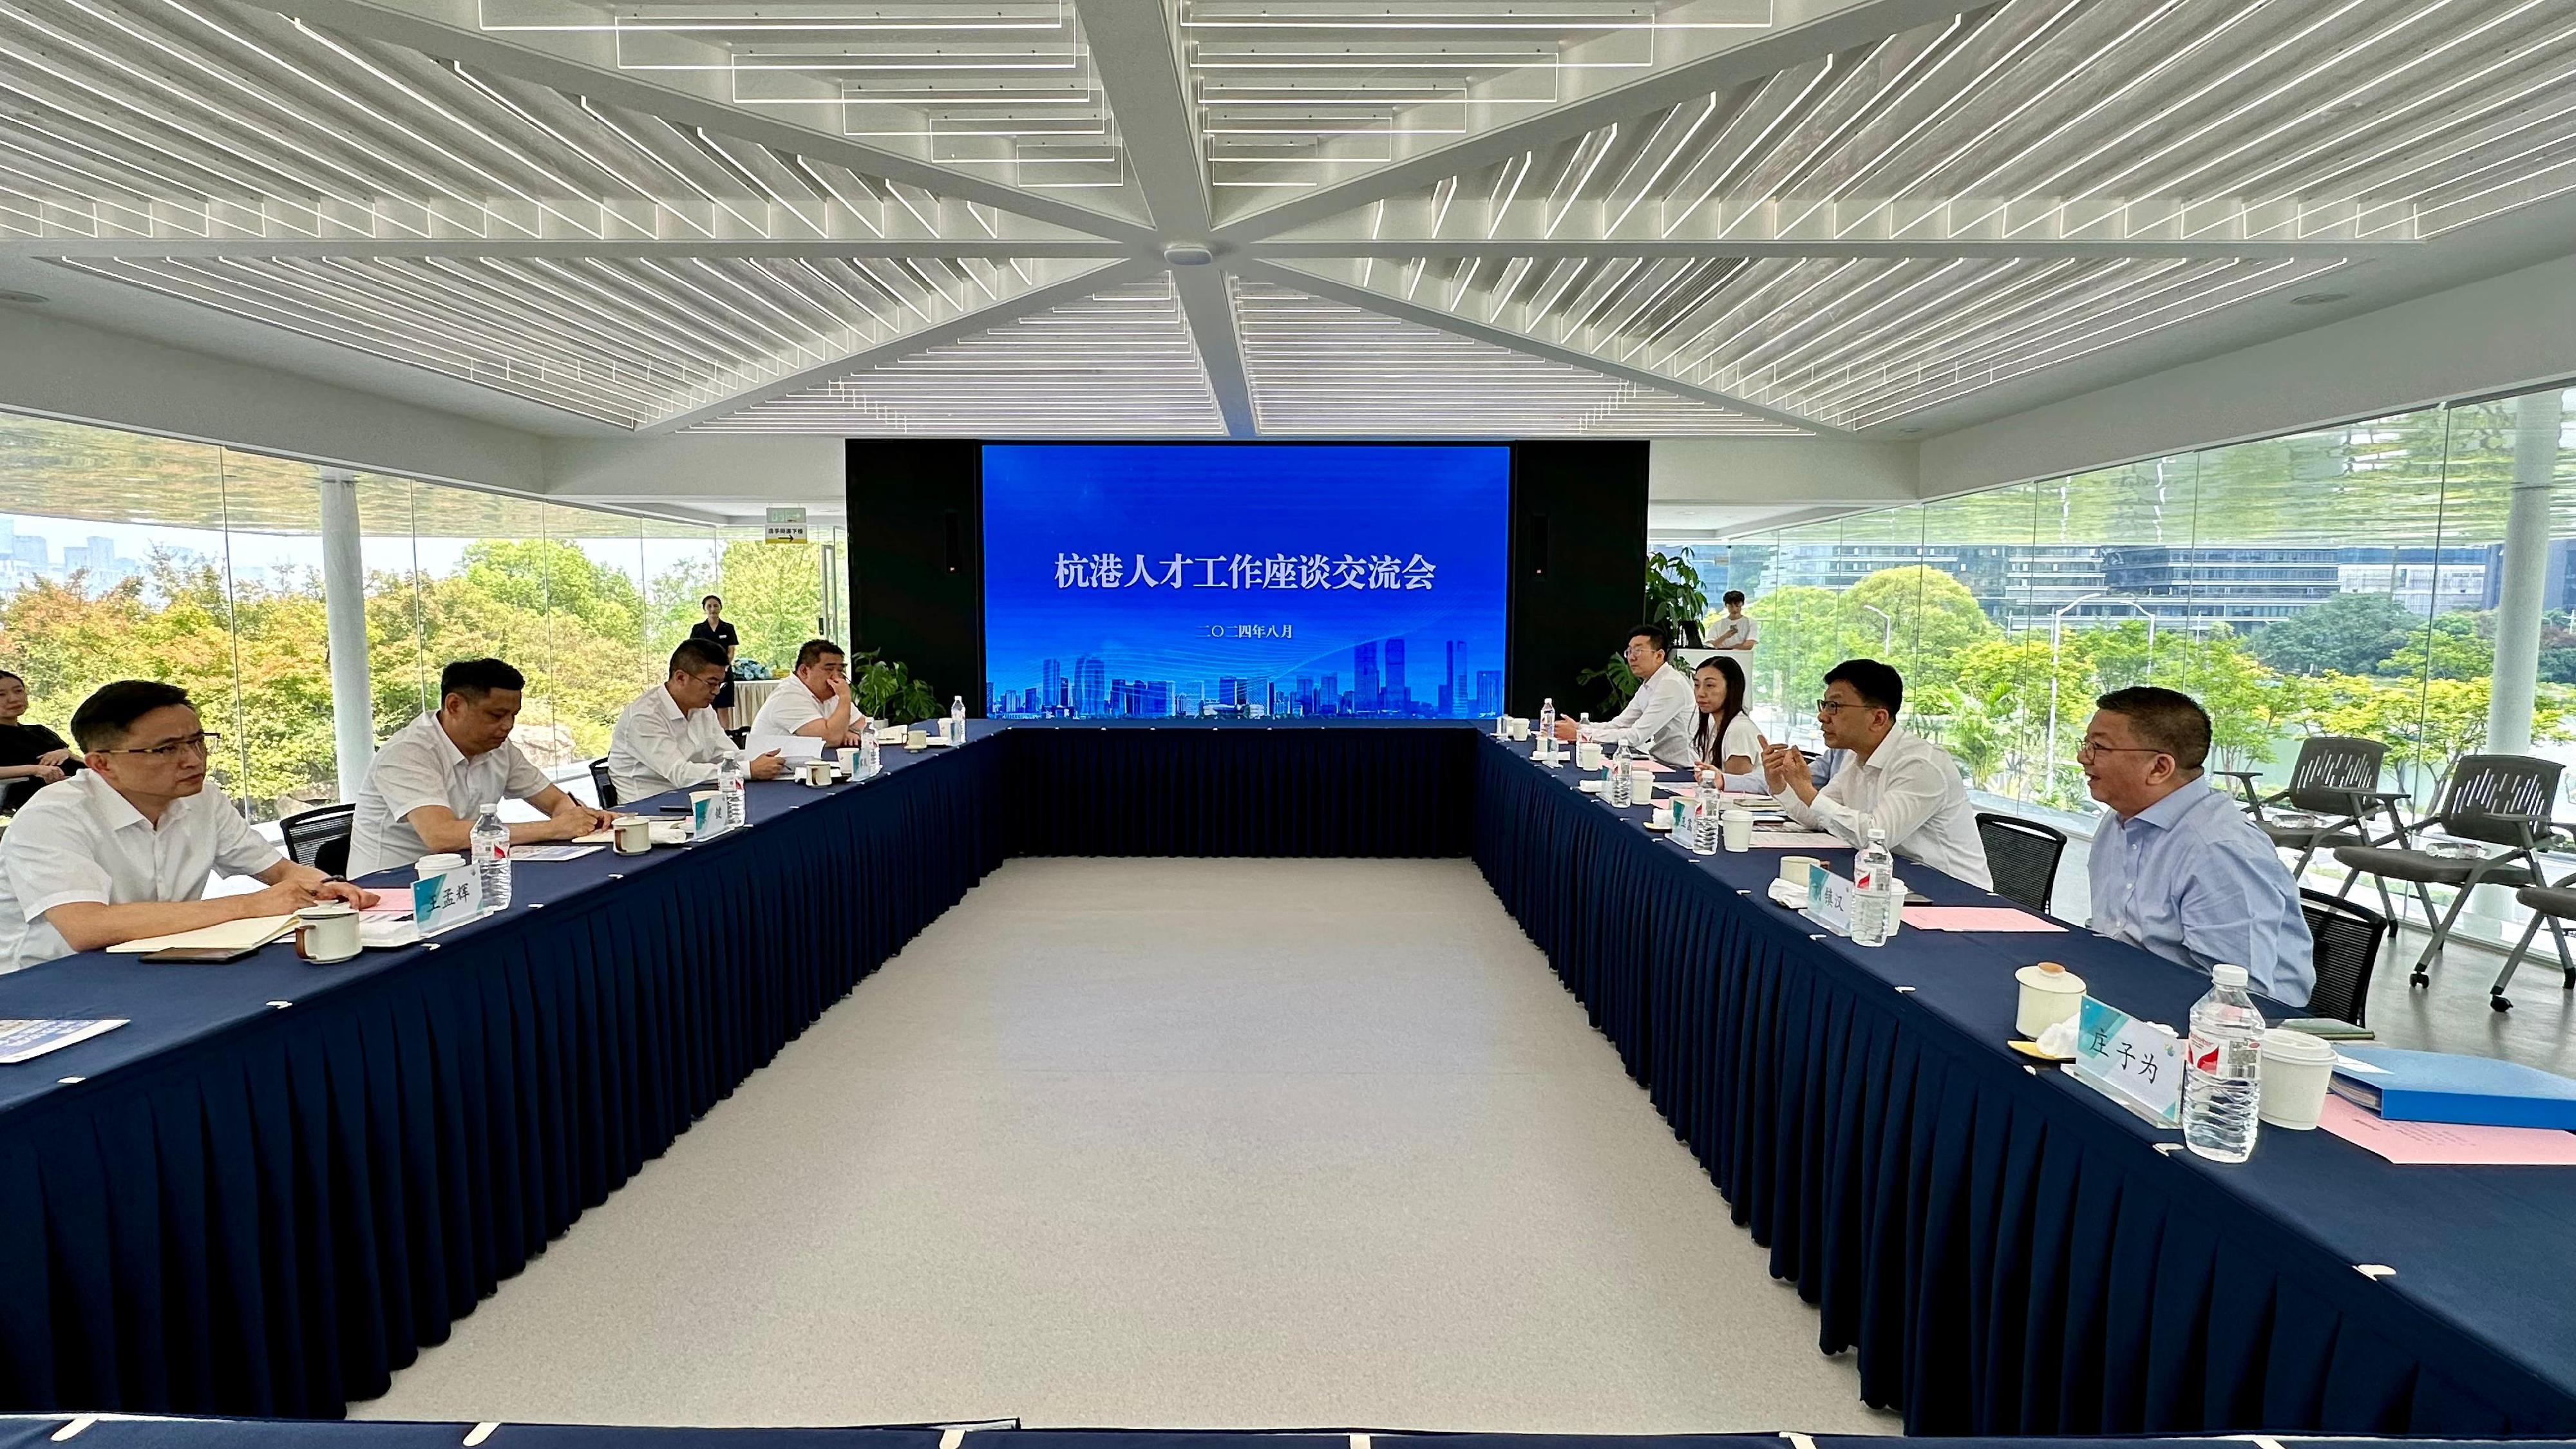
(2177, 868)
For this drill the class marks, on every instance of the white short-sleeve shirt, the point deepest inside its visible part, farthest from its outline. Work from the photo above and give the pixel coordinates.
(80, 841)
(1734, 633)
(420, 766)
(789, 708)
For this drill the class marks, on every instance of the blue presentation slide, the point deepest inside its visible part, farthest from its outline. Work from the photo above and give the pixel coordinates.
(1182, 581)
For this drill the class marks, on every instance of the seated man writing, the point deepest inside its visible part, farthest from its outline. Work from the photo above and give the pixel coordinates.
(668, 739)
(1890, 780)
(2176, 867)
(813, 705)
(429, 782)
(123, 850)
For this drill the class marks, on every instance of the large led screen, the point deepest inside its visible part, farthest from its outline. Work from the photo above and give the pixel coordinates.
(1244, 580)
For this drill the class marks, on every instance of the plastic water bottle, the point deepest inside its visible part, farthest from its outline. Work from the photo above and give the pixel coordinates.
(869, 760)
(1618, 792)
(1871, 875)
(491, 847)
(1704, 821)
(1546, 746)
(729, 776)
(957, 719)
(2222, 1070)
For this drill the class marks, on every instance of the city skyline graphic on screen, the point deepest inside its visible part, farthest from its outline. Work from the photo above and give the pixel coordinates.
(1183, 581)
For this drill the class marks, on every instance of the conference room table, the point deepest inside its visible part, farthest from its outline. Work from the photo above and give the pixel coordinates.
(275, 1185)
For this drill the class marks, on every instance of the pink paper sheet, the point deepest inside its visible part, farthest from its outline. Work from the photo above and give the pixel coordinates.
(1976, 918)
(2448, 1144)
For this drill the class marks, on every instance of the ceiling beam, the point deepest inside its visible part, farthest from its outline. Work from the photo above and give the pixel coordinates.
(1396, 307)
(447, 29)
(1208, 307)
(1801, 30)
(526, 249)
(1678, 247)
(1020, 304)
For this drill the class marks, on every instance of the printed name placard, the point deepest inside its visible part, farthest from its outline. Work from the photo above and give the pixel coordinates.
(2137, 1064)
(1832, 909)
(448, 899)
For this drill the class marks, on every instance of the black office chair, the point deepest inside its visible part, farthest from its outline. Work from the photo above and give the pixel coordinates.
(606, 787)
(2022, 857)
(2346, 939)
(320, 838)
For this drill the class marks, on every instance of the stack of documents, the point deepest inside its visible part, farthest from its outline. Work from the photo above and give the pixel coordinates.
(247, 934)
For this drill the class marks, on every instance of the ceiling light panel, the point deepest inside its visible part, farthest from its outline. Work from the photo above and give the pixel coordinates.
(2111, 121)
(1294, 94)
(203, 119)
(623, 341)
(1004, 88)
(1120, 363)
(1319, 368)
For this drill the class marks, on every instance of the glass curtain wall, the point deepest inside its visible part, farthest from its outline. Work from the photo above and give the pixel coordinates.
(129, 556)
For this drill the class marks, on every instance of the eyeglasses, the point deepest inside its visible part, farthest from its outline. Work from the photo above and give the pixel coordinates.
(708, 681)
(202, 743)
(2087, 750)
(1828, 706)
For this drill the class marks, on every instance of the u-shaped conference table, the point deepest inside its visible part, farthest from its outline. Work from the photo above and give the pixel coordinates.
(270, 1190)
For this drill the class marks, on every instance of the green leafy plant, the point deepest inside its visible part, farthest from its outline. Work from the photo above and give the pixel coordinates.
(886, 690)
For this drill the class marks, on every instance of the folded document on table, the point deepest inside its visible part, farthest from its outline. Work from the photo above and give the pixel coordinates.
(249, 933)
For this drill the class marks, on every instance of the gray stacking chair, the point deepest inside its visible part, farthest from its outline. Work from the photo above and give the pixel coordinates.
(2500, 800)
(2548, 905)
(2336, 783)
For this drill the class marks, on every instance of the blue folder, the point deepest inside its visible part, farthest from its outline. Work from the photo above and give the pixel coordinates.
(2470, 1091)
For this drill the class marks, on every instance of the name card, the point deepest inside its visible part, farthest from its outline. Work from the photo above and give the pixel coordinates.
(2137, 1064)
(448, 899)
(709, 818)
(1831, 897)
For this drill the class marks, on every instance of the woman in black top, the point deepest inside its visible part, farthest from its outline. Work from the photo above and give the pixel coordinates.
(715, 628)
(31, 756)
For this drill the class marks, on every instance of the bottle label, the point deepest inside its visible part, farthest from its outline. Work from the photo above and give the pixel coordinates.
(2231, 1060)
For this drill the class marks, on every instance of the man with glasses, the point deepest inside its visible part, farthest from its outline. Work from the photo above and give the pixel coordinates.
(816, 707)
(123, 850)
(2177, 867)
(668, 739)
(436, 774)
(1891, 779)
(1660, 715)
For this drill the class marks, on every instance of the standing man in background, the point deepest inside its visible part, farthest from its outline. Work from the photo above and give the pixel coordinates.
(718, 630)
(1735, 631)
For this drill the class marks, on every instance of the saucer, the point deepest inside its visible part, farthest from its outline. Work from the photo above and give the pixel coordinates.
(1659, 824)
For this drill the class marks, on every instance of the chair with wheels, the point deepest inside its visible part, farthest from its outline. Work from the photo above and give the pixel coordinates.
(605, 787)
(320, 838)
(2333, 793)
(2346, 941)
(2490, 800)
(2022, 856)
(2549, 905)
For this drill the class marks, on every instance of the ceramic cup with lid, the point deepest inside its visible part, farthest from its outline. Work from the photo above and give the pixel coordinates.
(631, 835)
(326, 931)
(2049, 994)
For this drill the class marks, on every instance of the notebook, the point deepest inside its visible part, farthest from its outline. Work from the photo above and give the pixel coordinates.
(246, 934)
(2441, 1087)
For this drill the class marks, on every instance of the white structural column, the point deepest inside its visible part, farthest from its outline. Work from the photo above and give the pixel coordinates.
(344, 610)
(2537, 419)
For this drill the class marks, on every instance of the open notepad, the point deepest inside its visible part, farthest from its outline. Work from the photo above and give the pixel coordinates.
(246, 934)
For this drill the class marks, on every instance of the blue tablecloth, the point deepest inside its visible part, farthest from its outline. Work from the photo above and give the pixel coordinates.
(280, 1181)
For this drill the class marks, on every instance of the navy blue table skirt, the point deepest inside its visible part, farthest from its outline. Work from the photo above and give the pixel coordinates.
(277, 1184)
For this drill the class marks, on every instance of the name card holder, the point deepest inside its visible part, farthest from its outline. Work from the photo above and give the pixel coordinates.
(1832, 900)
(2137, 1064)
(447, 900)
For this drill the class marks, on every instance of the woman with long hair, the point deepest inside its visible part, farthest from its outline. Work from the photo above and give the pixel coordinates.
(1726, 739)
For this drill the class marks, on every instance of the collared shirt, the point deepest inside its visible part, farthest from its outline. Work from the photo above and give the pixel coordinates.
(1910, 788)
(1742, 738)
(1659, 719)
(790, 707)
(654, 747)
(421, 766)
(1734, 633)
(2192, 880)
(79, 840)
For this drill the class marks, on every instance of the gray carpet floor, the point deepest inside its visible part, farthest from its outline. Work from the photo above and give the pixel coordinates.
(1171, 1143)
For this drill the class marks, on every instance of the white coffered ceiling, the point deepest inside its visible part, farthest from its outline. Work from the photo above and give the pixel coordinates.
(1666, 218)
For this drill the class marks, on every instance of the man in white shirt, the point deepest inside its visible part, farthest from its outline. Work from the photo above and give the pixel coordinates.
(123, 850)
(1735, 630)
(815, 706)
(668, 738)
(1891, 780)
(430, 781)
(1661, 714)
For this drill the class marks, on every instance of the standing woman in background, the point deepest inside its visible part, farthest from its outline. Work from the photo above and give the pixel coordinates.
(716, 629)
(1725, 740)
(31, 756)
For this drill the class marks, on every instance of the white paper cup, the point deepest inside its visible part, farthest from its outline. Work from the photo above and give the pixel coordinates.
(438, 864)
(1587, 756)
(1641, 787)
(1736, 824)
(2296, 1070)
(848, 755)
(916, 739)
